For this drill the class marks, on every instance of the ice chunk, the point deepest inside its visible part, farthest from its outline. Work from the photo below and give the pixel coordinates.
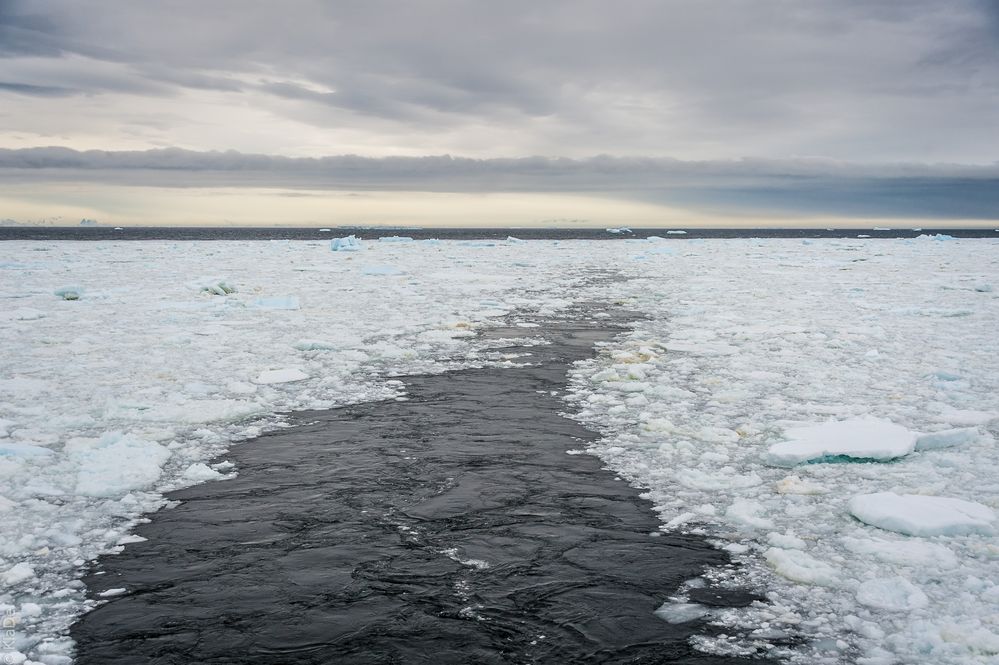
(966, 417)
(23, 450)
(618, 230)
(864, 439)
(676, 233)
(69, 292)
(395, 239)
(947, 438)
(117, 464)
(676, 612)
(795, 485)
(200, 472)
(746, 512)
(276, 302)
(112, 592)
(918, 515)
(217, 286)
(18, 573)
(800, 567)
(895, 594)
(346, 244)
(287, 375)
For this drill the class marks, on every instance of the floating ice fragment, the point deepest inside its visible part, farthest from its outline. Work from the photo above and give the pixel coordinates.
(676, 233)
(966, 417)
(947, 438)
(619, 230)
(200, 472)
(346, 244)
(69, 292)
(918, 515)
(287, 375)
(23, 450)
(746, 512)
(116, 464)
(795, 485)
(112, 592)
(216, 286)
(895, 594)
(800, 567)
(677, 612)
(17, 573)
(861, 439)
(395, 239)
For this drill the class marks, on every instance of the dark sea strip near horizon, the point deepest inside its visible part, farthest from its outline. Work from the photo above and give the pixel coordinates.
(448, 526)
(471, 233)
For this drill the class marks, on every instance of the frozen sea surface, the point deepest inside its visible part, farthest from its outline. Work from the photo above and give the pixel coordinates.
(777, 392)
(125, 392)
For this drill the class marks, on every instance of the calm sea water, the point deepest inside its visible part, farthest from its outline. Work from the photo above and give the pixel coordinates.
(291, 233)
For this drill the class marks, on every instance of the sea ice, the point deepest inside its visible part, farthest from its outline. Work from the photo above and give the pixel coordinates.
(947, 438)
(287, 375)
(895, 594)
(800, 567)
(919, 515)
(861, 439)
(116, 464)
(276, 303)
(382, 270)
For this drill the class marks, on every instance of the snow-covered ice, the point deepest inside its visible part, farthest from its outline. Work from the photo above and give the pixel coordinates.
(918, 515)
(862, 439)
(132, 389)
(759, 355)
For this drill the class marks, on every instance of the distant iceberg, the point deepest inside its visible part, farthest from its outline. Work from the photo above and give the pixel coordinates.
(346, 244)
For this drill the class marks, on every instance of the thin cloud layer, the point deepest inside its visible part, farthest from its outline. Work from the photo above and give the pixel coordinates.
(746, 186)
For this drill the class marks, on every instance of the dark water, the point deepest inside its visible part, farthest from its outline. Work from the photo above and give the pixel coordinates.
(356, 537)
(281, 233)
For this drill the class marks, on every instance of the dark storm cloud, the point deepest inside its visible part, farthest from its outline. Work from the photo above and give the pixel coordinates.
(780, 187)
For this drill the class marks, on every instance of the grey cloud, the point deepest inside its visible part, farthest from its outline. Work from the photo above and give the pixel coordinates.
(782, 187)
(37, 90)
(845, 79)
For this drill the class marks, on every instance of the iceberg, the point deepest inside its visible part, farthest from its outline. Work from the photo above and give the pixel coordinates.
(346, 244)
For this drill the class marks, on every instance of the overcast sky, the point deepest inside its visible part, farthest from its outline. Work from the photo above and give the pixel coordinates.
(839, 108)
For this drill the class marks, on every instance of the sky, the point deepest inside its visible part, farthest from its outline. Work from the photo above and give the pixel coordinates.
(652, 113)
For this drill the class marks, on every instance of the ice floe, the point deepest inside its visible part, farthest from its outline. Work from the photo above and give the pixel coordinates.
(860, 439)
(920, 515)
